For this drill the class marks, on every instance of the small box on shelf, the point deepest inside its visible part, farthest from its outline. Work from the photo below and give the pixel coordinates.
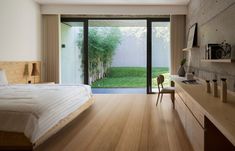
(215, 52)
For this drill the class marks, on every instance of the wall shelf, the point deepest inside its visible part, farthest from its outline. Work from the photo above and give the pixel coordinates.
(189, 49)
(218, 60)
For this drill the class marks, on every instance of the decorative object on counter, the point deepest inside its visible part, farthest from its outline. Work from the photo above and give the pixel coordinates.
(189, 76)
(181, 71)
(208, 86)
(192, 36)
(223, 95)
(34, 71)
(218, 51)
(215, 88)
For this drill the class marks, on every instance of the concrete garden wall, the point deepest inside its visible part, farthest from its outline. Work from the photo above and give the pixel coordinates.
(133, 48)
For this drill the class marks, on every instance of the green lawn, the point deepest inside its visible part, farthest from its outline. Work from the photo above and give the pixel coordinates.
(129, 77)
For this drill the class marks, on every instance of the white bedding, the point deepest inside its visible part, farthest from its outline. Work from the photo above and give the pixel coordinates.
(35, 109)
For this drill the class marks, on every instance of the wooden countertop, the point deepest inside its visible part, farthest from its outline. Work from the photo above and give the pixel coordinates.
(222, 115)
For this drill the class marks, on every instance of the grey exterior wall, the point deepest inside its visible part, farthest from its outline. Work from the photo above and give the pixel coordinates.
(132, 51)
(216, 22)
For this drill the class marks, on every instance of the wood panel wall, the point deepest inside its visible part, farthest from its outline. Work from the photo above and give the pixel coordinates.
(51, 46)
(177, 41)
(15, 71)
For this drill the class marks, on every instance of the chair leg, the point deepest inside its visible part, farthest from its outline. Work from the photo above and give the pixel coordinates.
(157, 98)
(161, 97)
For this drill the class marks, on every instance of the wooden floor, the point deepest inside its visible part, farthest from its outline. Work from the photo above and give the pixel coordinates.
(125, 122)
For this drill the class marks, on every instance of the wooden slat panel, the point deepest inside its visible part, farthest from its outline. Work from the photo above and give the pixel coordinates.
(177, 41)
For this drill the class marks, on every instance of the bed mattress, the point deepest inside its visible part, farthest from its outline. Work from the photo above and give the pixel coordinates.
(38, 111)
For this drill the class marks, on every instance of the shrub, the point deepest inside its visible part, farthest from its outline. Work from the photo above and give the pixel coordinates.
(102, 42)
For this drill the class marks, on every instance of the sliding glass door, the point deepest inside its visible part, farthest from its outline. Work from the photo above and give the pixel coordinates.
(115, 53)
(72, 52)
(158, 52)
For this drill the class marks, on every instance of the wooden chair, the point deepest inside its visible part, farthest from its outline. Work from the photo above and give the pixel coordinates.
(162, 90)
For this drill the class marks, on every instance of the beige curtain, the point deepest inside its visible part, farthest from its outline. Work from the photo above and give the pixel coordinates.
(51, 42)
(178, 29)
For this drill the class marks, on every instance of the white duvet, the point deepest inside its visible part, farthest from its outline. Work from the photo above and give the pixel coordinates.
(35, 109)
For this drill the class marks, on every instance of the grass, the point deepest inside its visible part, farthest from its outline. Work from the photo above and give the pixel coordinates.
(130, 77)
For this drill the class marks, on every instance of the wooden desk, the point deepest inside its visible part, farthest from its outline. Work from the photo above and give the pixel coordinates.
(193, 99)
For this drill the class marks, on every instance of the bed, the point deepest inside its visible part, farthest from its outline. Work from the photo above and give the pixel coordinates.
(33, 113)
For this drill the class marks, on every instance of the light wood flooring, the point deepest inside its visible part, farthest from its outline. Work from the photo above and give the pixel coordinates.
(123, 122)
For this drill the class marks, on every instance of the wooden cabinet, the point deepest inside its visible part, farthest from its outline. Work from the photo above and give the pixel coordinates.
(197, 112)
(194, 131)
(192, 119)
(208, 122)
(180, 108)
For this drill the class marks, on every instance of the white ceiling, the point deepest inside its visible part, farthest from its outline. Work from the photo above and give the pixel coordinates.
(116, 2)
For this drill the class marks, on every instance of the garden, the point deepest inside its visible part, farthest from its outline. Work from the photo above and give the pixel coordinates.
(102, 45)
(130, 77)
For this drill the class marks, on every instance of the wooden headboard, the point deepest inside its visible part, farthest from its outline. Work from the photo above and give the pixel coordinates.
(15, 71)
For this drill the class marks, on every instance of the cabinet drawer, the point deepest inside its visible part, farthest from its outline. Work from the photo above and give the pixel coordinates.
(193, 129)
(194, 132)
(180, 92)
(195, 109)
(198, 113)
(184, 96)
(190, 103)
(180, 108)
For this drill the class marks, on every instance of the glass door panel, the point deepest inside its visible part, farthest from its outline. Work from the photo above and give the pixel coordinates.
(117, 54)
(160, 52)
(72, 52)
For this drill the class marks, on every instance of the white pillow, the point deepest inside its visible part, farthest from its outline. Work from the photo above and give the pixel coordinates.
(3, 78)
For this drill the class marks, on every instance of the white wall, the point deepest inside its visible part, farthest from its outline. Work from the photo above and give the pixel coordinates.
(20, 30)
(114, 9)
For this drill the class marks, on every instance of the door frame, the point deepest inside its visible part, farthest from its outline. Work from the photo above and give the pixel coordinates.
(149, 51)
(149, 43)
(85, 44)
